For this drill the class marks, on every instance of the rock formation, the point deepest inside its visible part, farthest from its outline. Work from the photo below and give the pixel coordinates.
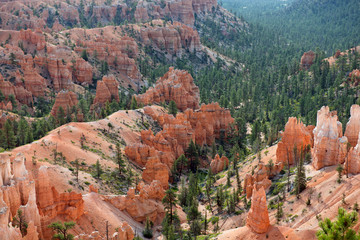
(59, 73)
(36, 38)
(125, 232)
(119, 52)
(106, 90)
(307, 60)
(260, 179)
(34, 83)
(17, 193)
(210, 122)
(66, 100)
(202, 126)
(83, 71)
(337, 54)
(20, 93)
(352, 164)
(329, 143)
(258, 216)
(156, 170)
(142, 206)
(173, 38)
(51, 203)
(176, 85)
(296, 135)
(353, 125)
(219, 164)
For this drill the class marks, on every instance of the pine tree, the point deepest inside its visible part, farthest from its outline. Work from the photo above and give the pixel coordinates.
(300, 180)
(12, 58)
(2, 97)
(213, 150)
(228, 178)
(169, 202)
(339, 169)
(193, 156)
(3, 143)
(220, 197)
(148, 229)
(133, 104)
(341, 228)
(9, 135)
(179, 165)
(84, 55)
(62, 229)
(119, 159)
(183, 195)
(76, 164)
(22, 130)
(20, 222)
(279, 212)
(173, 108)
(60, 116)
(98, 169)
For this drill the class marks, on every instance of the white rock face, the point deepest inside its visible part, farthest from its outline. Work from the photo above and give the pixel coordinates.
(19, 169)
(353, 125)
(329, 143)
(5, 170)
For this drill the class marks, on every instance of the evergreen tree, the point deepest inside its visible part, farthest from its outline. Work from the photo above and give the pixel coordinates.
(119, 159)
(340, 228)
(339, 169)
(20, 222)
(133, 104)
(62, 230)
(300, 180)
(84, 55)
(2, 97)
(178, 166)
(173, 108)
(193, 156)
(9, 135)
(213, 150)
(3, 142)
(22, 131)
(220, 197)
(60, 116)
(148, 229)
(98, 169)
(169, 202)
(76, 164)
(279, 212)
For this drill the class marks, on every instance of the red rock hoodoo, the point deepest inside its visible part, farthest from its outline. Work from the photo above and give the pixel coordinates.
(296, 135)
(106, 90)
(66, 100)
(258, 216)
(176, 85)
(352, 164)
(307, 60)
(142, 206)
(173, 38)
(219, 164)
(260, 179)
(34, 83)
(161, 150)
(329, 143)
(353, 125)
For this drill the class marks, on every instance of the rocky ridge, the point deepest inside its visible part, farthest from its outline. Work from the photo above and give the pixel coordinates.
(176, 85)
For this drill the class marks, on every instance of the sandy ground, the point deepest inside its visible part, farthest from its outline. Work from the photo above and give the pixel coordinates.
(99, 146)
(274, 233)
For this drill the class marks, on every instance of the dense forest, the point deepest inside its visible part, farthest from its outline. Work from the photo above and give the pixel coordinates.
(272, 87)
